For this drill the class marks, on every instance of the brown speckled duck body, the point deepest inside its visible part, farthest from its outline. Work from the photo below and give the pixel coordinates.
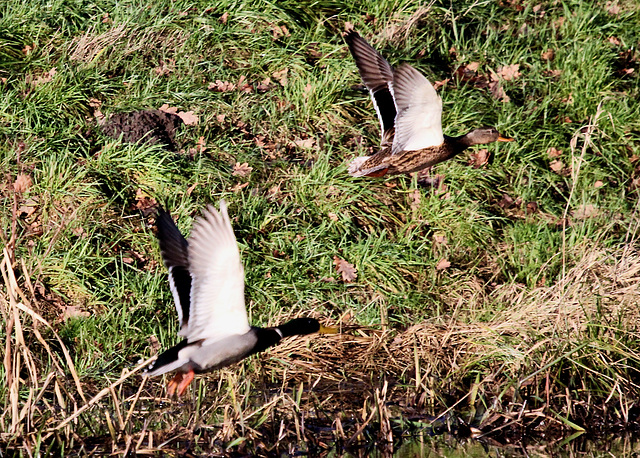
(410, 114)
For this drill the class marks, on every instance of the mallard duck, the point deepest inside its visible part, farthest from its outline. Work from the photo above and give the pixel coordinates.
(207, 281)
(410, 112)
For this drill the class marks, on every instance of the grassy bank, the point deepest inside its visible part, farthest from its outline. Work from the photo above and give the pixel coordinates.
(501, 297)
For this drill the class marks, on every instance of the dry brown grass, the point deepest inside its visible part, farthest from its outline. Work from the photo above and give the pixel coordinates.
(351, 381)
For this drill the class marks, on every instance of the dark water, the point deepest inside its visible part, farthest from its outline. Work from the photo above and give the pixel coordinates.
(577, 445)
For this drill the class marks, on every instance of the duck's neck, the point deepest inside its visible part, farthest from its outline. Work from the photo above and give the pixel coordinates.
(460, 143)
(266, 337)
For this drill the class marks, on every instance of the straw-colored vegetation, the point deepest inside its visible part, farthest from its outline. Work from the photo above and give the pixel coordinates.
(496, 297)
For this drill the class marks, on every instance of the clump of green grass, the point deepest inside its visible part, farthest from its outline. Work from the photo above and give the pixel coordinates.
(536, 303)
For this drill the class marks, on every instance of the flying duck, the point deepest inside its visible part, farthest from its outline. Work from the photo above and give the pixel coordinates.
(207, 281)
(410, 112)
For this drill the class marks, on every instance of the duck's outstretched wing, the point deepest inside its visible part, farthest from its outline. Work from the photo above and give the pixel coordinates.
(217, 279)
(419, 120)
(377, 76)
(175, 255)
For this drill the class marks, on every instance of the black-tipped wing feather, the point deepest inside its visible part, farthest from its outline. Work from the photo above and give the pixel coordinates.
(377, 76)
(175, 254)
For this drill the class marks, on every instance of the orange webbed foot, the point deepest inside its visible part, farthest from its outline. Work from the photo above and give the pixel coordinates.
(173, 383)
(187, 378)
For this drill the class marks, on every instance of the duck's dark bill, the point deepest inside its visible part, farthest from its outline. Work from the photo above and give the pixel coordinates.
(328, 330)
(504, 139)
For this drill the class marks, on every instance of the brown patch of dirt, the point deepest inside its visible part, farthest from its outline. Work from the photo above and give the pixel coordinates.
(152, 126)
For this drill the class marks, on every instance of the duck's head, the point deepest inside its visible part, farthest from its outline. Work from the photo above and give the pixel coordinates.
(304, 326)
(483, 136)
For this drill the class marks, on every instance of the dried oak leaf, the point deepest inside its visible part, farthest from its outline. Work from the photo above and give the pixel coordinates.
(306, 143)
(242, 170)
(239, 187)
(612, 7)
(265, 85)
(506, 201)
(187, 116)
(72, 311)
(585, 211)
(438, 84)
(165, 68)
(498, 93)
(347, 270)
(46, 77)
(509, 72)
(556, 165)
(279, 31)
(221, 86)
(440, 239)
(473, 66)
(553, 152)
(281, 76)
(548, 55)
(479, 158)
(23, 183)
(145, 203)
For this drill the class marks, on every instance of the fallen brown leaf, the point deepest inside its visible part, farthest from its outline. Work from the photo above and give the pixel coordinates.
(306, 143)
(145, 203)
(612, 7)
(239, 187)
(553, 152)
(187, 117)
(585, 211)
(438, 84)
(191, 188)
(479, 158)
(223, 19)
(165, 68)
(265, 85)
(279, 31)
(221, 86)
(46, 77)
(473, 66)
(443, 264)
(506, 201)
(556, 165)
(498, 93)
(23, 183)
(598, 184)
(440, 239)
(548, 55)
(281, 76)
(509, 72)
(242, 170)
(72, 311)
(347, 270)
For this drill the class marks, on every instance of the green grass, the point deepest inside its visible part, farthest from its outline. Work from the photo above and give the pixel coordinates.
(87, 245)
